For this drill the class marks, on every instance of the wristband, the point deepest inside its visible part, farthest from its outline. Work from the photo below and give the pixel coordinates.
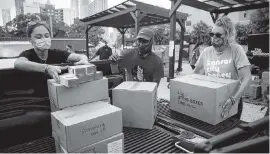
(46, 68)
(233, 100)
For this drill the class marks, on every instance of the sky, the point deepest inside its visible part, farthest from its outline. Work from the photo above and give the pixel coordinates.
(111, 3)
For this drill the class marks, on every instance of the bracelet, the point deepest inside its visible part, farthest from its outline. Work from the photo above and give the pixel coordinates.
(46, 68)
(233, 100)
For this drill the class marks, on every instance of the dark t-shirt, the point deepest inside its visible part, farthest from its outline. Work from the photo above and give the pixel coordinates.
(148, 70)
(54, 56)
(104, 52)
(36, 80)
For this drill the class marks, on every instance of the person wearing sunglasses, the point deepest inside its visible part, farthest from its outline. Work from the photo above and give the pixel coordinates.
(140, 62)
(226, 59)
(40, 58)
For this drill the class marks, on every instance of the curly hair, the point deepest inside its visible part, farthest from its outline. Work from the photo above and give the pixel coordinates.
(227, 24)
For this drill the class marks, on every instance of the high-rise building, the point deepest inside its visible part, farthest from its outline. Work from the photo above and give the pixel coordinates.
(48, 9)
(96, 6)
(7, 11)
(19, 6)
(75, 4)
(65, 15)
(32, 6)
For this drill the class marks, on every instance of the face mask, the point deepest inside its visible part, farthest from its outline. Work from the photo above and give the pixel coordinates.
(145, 50)
(43, 44)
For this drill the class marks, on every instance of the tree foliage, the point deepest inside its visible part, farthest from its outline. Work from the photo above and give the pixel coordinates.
(200, 32)
(241, 33)
(259, 21)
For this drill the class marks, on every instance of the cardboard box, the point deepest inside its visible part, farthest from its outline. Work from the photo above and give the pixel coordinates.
(88, 92)
(54, 108)
(114, 144)
(69, 80)
(87, 78)
(98, 75)
(202, 97)
(82, 70)
(138, 100)
(265, 74)
(264, 87)
(83, 125)
(253, 91)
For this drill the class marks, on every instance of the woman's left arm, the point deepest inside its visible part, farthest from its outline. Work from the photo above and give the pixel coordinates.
(245, 78)
(78, 59)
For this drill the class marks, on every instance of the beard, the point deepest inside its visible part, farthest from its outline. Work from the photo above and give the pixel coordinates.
(218, 44)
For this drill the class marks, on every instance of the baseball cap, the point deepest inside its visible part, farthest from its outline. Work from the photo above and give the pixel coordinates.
(145, 34)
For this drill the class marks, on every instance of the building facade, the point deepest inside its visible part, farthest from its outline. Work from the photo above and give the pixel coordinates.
(75, 4)
(65, 15)
(7, 11)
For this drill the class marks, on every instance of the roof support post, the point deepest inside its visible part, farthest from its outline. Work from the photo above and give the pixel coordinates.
(174, 6)
(122, 31)
(183, 29)
(137, 17)
(87, 40)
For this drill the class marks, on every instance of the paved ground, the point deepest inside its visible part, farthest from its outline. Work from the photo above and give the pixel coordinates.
(250, 113)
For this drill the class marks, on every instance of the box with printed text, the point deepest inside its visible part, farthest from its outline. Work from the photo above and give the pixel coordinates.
(114, 144)
(83, 125)
(202, 97)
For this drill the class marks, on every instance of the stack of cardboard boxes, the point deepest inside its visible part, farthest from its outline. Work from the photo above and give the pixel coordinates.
(83, 120)
(254, 89)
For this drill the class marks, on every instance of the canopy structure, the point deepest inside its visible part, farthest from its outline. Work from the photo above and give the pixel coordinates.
(124, 15)
(216, 7)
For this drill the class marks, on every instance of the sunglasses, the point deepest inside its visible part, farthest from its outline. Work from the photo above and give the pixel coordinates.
(218, 35)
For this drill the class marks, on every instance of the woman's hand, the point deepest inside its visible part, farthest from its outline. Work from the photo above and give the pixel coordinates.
(53, 71)
(227, 107)
(82, 62)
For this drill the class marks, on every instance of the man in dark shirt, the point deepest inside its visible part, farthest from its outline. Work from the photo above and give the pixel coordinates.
(104, 53)
(141, 63)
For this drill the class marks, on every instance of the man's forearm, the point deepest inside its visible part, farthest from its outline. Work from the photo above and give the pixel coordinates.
(30, 66)
(76, 57)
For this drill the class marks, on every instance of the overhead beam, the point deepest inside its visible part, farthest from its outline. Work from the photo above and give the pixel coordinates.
(181, 24)
(116, 14)
(242, 8)
(175, 7)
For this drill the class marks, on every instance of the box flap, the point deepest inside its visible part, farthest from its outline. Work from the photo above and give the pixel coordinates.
(77, 114)
(203, 80)
(137, 86)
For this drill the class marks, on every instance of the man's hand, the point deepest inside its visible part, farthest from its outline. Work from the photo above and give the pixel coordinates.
(114, 57)
(82, 62)
(53, 71)
(227, 108)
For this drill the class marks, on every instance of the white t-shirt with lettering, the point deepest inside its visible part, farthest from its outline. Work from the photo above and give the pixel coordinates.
(225, 65)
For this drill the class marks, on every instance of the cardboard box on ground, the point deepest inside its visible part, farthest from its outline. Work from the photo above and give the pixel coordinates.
(80, 126)
(202, 97)
(114, 144)
(254, 89)
(88, 92)
(138, 101)
(265, 81)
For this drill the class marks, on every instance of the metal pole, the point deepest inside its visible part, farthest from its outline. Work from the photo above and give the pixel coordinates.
(51, 28)
(172, 43)
(179, 69)
(87, 41)
(123, 39)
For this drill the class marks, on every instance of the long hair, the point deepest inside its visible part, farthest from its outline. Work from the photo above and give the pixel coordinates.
(227, 24)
